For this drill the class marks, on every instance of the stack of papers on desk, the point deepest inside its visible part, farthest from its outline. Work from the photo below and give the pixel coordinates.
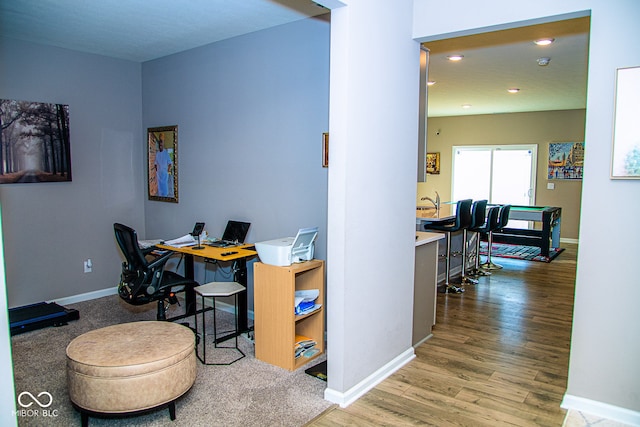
(304, 301)
(144, 244)
(181, 242)
(304, 345)
(187, 240)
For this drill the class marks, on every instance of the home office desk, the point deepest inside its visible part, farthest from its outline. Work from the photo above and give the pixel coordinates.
(242, 253)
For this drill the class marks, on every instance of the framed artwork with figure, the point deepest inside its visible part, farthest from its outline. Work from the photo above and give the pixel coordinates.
(162, 151)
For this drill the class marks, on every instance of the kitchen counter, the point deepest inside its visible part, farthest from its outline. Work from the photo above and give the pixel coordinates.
(425, 285)
(424, 237)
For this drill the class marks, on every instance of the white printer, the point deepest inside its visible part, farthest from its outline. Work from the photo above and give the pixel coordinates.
(287, 250)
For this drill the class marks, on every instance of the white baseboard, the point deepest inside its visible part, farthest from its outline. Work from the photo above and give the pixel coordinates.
(567, 240)
(422, 341)
(604, 410)
(355, 392)
(114, 290)
(86, 296)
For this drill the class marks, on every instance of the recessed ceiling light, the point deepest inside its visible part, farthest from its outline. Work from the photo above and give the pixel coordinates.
(465, 106)
(431, 82)
(513, 90)
(455, 57)
(544, 42)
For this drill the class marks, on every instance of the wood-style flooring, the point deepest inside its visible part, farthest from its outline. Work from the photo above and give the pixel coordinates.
(499, 355)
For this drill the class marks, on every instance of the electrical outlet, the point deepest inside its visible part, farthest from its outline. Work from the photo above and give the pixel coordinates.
(88, 266)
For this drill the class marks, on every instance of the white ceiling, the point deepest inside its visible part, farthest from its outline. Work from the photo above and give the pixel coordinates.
(142, 30)
(494, 62)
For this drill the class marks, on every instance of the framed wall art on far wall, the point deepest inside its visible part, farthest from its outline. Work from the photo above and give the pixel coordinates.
(625, 153)
(34, 142)
(566, 160)
(162, 150)
(433, 163)
(325, 150)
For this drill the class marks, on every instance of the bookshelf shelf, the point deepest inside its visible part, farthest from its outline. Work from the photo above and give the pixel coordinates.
(276, 324)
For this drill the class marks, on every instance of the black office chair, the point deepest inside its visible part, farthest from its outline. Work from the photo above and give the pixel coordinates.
(143, 281)
(461, 221)
(478, 212)
(502, 223)
(492, 222)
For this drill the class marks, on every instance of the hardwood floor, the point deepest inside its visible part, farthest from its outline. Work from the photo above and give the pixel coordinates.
(499, 355)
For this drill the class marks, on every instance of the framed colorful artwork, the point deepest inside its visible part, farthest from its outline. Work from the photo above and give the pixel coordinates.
(162, 149)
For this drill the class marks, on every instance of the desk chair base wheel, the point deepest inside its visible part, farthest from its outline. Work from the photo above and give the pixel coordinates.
(490, 266)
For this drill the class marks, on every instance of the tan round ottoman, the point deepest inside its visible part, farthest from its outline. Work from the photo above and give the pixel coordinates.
(130, 368)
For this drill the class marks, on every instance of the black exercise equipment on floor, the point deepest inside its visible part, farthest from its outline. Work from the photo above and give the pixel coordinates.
(38, 316)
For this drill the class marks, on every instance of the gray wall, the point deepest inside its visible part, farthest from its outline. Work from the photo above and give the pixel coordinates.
(250, 113)
(50, 228)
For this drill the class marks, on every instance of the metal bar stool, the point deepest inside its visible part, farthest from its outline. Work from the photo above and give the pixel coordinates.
(215, 290)
(478, 212)
(502, 223)
(493, 218)
(460, 222)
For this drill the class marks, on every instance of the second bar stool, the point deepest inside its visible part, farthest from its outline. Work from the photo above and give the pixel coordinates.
(502, 223)
(492, 222)
(215, 290)
(478, 212)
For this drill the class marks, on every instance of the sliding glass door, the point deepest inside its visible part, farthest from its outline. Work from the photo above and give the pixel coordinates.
(502, 174)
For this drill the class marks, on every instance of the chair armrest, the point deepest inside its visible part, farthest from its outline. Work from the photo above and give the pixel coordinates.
(147, 251)
(161, 260)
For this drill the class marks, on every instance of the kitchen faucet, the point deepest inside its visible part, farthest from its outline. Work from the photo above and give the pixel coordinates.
(435, 202)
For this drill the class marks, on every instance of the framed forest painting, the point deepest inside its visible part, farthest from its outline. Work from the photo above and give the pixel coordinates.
(34, 142)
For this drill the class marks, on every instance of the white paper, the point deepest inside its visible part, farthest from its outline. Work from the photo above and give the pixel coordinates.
(180, 242)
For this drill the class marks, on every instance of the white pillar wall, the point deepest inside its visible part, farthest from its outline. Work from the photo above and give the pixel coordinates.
(373, 122)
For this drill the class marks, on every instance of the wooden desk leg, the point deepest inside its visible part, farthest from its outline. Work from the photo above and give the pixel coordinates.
(240, 276)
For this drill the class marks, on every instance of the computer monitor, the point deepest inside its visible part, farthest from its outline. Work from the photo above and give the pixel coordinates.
(236, 231)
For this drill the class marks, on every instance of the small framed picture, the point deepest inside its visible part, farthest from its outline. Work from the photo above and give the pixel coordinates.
(162, 149)
(433, 163)
(325, 150)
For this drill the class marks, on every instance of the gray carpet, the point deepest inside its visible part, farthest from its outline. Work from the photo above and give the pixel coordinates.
(247, 393)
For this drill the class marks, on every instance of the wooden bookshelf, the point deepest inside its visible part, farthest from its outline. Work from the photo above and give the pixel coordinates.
(276, 323)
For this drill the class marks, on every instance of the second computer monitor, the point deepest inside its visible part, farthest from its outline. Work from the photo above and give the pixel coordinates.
(236, 231)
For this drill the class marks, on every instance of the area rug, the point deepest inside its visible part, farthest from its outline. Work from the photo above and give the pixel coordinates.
(528, 253)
